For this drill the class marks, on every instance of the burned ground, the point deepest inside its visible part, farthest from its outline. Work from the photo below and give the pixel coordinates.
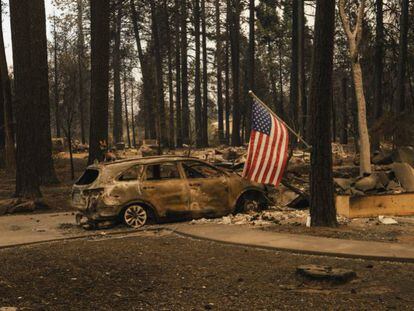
(166, 272)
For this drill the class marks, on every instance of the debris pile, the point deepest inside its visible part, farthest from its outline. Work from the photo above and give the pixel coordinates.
(18, 205)
(272, 216)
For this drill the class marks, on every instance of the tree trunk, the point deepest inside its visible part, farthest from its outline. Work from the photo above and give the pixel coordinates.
(45, 167)
(27, 99)
(197, 81)
(227, 79)
(378, 68)
(302, 102)
(354, 40)
(162, 130)
(134, 139)
(126, 108)
(99, 77)
(9, 148)
(56, 80)
(150, 131)
(205, 77)
(184, 75)
(294, 71)
(250, 68)
(171, 129)
(81, 69)
(344, 123)
(235, 10)
(402, 59)
(281, 106)
(364, 145)
(322, 207)
(219, 69)
(178, 112)
(116, 67)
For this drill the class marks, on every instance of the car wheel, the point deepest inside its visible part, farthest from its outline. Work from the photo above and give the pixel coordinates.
(135, 216)
(251, 202)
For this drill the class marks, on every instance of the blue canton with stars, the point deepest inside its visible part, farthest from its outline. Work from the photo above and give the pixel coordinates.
(262, 121)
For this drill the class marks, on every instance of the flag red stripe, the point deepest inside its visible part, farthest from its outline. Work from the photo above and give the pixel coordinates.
(249, 155)
(284, 162)
(262, 158)
(272, 151)
(256, 154)
(278, 154)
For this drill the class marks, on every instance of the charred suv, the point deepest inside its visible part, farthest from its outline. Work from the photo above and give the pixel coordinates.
(137, 191)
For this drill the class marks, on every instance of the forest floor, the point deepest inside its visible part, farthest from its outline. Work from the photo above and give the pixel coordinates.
(281, 219)
(165, 272)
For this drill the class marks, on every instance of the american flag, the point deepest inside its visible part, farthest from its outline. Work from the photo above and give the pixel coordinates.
(268, 147)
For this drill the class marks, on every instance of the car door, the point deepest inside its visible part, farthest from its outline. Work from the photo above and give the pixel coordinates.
(209, 189)
(163, 186)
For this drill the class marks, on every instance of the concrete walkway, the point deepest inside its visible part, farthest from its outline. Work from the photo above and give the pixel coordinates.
(26, 229)
(251, 236)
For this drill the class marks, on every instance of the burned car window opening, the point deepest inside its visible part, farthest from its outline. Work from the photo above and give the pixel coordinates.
(88, 177)
(130, 174)
(161, 172)
(200, 170)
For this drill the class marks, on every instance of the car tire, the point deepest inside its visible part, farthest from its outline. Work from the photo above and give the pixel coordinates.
(135, 216)
(252, 201)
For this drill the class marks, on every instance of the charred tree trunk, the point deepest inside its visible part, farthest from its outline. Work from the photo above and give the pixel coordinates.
(378, 68)
(171, 128)
(294, 71)
(126, 108)
(56, 80)
(81, 70)
(116, 67)
(197, 80)
(27, 100)
(9, 149)
(134, 133)
(322, 206)
(250, 68)
(219, 69)
(402, 58)
(184, 75)
(99, 78)
(162, 130)
(235, 10)
(150, 131)
(227, 81)
(205, 77)
(281, 106)
(302, 102)
(178, 112)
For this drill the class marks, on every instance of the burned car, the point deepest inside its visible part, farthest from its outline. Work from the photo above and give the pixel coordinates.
(137, 191)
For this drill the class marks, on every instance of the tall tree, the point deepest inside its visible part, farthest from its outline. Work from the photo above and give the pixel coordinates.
(402, 57)
(354, 42)
(145, 72)
(162, 130)
(227, 73)
(99, 77)
(184, 75)
(322, 207)
(116, 67)
(197, 80)
(27, 99)
(205, 77)
(178, 113)
(344, 113)
(171, 126)
(9, 149)
(81, 68)
(219, 69)
(378, 66)
(301, 100)
(56, 79)
(294, 71)
(250, 64)
(235, 11)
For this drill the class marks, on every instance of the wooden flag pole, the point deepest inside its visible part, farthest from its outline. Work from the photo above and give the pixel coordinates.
(253, 95)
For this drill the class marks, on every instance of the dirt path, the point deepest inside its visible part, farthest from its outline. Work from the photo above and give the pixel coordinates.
(166, 272)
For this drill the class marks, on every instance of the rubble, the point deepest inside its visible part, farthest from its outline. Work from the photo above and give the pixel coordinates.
(387, 220)
(405, 174)
(18, 205)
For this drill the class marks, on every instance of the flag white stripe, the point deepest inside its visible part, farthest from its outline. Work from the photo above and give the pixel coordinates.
(269, 173)
(268, 151)
(281, 157)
